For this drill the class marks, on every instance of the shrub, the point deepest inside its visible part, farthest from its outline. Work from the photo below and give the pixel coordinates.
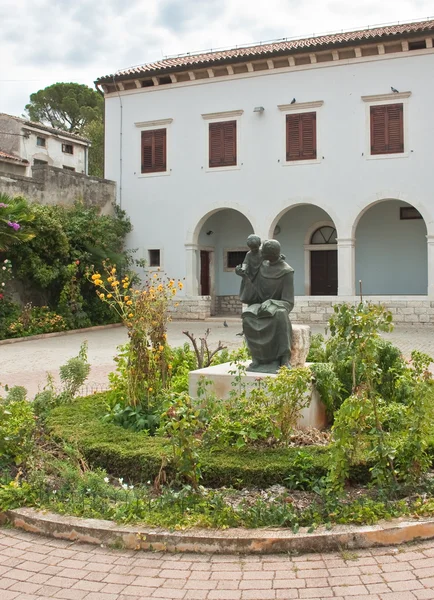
(34, 320)
(17, 425)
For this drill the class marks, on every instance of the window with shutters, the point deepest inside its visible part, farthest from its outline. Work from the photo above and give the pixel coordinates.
(387, 129)
(223, 144)
(301, 136)
(154, 151)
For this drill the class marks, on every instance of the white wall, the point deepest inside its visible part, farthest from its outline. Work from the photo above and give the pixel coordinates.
(52, 152)
(165, 210)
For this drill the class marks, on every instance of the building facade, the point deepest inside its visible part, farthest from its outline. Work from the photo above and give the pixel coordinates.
(37, 144)
(323, 144)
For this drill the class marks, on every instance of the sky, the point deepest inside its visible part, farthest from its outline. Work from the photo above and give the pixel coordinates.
(47, 41)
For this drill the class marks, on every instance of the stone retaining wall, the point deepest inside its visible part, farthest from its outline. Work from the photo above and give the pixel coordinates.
(228, 305)
(406, 311)
(191, 308)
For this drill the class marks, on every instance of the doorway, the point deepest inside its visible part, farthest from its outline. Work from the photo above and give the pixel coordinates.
(324, 272)
(205, 280)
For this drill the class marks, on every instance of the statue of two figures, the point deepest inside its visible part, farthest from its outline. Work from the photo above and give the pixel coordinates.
(267, 287)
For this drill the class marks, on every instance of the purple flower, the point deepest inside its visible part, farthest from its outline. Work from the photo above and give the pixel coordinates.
(15, 226)
(3, 205)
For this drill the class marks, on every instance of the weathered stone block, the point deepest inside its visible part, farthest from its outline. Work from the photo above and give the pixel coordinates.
(300, 344)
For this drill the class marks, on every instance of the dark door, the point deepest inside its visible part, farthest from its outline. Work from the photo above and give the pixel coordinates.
(204, 273)
(324, 273)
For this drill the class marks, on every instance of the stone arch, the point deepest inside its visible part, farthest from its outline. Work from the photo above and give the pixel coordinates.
(295, 225)
(391, 256)
(193, 232)
(325, 208)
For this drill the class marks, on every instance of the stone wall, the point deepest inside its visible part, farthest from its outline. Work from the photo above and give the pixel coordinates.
(51, 185)
(228, 305)
(405, 311)
(191, 308)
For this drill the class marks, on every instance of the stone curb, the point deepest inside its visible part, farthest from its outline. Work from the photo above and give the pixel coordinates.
(229, 541)
(42, 336)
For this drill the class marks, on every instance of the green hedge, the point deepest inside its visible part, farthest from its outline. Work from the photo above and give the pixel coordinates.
(137, 457)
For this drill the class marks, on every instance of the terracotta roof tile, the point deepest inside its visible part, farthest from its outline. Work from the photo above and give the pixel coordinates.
(7, 156)
(268, 49)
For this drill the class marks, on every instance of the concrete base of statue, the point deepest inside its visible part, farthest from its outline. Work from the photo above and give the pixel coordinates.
(222, 380)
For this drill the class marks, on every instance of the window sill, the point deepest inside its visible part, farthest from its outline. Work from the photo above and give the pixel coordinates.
(217, 169)
(309, 161)
(156, 174)
(385, 156)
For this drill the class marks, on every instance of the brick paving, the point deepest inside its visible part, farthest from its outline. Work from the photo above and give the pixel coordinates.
(34, 567)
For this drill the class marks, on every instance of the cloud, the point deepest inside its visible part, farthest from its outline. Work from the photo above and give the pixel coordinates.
(60, 40)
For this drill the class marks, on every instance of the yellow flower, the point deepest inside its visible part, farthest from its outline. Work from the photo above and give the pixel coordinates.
(109, 295)
(115, 284)
(109, 278)
(165, 336)
(125, 285)
(130, 315)
(160, 288)
(98, 282)
(173, 291)
(169, 367)
(102, 296)
(149, 389)
(129, 302)
(155, 275)
(171, 283)
(126, 297)
(113, 271)
(95, 276)
(180, 285)
(161, 348)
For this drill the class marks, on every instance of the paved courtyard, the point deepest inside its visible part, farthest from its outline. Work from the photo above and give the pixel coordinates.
(27, 363)
(33, 567)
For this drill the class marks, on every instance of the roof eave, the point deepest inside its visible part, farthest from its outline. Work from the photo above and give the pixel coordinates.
(263, 56)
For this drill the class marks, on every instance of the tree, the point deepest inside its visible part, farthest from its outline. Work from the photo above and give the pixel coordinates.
(94, 131)
(67, 106)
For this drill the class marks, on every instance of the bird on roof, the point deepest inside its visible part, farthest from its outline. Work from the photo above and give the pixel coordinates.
(394, 90)
(293, 101)
(225, 324)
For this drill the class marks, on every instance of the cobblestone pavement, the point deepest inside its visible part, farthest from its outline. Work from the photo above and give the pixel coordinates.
(34, 567)
(27, 363)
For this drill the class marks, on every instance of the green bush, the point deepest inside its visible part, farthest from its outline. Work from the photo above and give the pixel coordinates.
(138, 457)
(35, 320)
(17, 425)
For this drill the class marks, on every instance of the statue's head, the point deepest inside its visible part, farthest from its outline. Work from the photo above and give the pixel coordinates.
(253, 241)
(271, 250)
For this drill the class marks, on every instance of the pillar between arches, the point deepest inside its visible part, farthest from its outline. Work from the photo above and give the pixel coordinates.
(346, 266)
(192, 269)
(430, 252)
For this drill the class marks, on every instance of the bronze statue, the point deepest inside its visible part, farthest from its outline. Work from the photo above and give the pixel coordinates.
(270, 298)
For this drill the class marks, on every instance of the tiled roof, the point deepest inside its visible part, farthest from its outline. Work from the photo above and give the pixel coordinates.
(214, 58)
(43, 127)
(7, 156)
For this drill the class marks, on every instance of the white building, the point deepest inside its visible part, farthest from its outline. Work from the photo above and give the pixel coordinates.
(38, 144)
(324, 144)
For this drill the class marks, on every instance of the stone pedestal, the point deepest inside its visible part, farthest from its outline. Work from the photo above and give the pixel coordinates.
(300, 344)
(222, 377)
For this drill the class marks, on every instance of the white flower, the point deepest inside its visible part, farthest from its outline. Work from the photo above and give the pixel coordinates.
(54, 491)
(121, 479)
(106, 479)
(125, 486)
(131, 487)
(3, 282)
(3, 268)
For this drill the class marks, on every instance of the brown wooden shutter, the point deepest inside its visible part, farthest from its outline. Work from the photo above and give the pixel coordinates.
(154, 151)
(301, 136)
(223, 144)
(387, 129)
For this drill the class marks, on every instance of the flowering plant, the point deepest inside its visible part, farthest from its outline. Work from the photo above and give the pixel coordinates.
(145, 313)
(15, 219)
(5, 275)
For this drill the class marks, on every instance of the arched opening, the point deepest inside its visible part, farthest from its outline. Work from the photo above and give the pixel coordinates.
(221, 247)
(308, 239)
(391, 250)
